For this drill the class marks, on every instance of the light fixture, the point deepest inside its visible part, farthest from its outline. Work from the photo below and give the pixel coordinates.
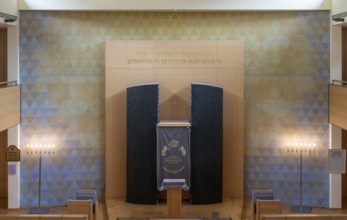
(40, 150)
(7, 17)
(339, 17)
(302, 149)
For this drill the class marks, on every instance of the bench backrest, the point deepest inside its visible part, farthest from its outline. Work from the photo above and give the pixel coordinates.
(80, 207)
(43, 217)
(268, 207)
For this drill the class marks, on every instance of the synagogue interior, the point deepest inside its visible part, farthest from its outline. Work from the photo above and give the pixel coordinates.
(147, 109)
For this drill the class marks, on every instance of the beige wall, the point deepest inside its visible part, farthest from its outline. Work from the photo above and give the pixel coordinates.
(164, 5)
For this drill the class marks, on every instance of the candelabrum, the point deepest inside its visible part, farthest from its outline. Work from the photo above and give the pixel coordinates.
(301, 150)
(40, 150)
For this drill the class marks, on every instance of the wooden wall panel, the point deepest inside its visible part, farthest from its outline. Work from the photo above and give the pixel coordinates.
(338, 106)
(344, 78)
(344, 176)
(10, 107)
(174, 65)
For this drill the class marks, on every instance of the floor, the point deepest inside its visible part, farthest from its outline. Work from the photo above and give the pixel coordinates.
(237, 209)
(286, 209)
(229, 208)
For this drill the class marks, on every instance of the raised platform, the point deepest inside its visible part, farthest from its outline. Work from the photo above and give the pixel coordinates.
(118, 208)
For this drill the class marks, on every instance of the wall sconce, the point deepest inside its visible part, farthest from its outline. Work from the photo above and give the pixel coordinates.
(302, 149)
(40, 150)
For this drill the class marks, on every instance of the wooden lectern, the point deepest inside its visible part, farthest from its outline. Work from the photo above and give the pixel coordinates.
(174, 202)
(174, 196)
(172, 149)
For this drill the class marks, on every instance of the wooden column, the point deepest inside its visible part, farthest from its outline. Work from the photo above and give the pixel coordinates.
(344, 78)
(174, 202)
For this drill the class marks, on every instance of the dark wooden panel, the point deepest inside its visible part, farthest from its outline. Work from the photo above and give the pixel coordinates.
(142, 118)
(3, 165)
(3, 134)
(206, 144)
(344, 54)
(3, 55)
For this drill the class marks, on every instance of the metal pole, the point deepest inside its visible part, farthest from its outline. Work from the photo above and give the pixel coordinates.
(40, 161)
(39, 210)
(301, 179)
(300, 208)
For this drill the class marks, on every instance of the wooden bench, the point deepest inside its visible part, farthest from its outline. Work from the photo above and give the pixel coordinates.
(260, 194)
(85, 194)
(304, 217)
(80, 207)
(268, 207)
(43, 217)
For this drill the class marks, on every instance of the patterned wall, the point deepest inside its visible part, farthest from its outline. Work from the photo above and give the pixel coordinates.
(62, 76)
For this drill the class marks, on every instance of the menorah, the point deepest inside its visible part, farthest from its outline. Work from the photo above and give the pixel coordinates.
(40, 150)
(307, 150)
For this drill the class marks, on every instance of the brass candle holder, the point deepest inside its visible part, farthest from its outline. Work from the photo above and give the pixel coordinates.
(40, 150)
(306, 149)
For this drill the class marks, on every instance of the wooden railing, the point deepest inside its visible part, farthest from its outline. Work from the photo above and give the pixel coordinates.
(339, 82)
(9, 104)
(7, 84)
